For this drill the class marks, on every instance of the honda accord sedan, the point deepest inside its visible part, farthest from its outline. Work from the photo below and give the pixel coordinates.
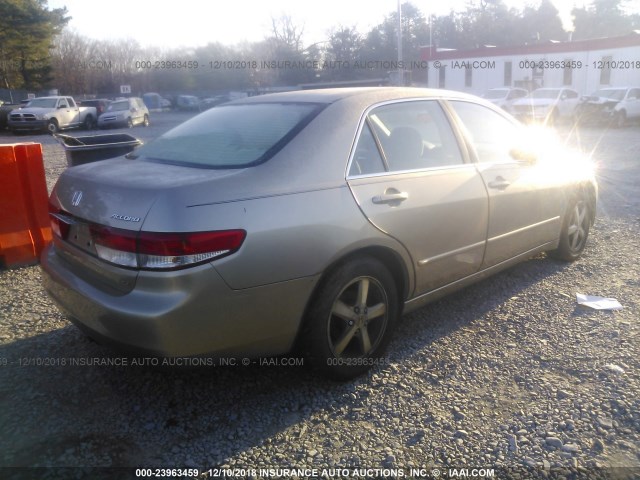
(310, 220)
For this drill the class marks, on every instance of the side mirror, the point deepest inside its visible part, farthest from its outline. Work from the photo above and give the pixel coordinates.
(524, 156)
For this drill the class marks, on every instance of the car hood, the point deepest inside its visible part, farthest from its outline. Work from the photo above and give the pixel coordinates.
(601, 101)
(34, 110)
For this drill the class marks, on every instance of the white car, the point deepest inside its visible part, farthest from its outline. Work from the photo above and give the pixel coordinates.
(547, 105)
(615, 104)
(505, 97)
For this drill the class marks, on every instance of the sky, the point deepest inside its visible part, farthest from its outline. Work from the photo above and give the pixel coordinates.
(192, 23)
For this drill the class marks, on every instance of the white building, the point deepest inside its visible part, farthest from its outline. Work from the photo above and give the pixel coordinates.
(584, 65)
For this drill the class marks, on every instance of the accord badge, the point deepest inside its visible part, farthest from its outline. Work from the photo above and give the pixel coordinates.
(125, 218)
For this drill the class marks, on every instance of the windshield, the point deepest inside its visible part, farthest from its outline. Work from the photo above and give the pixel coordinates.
(231, 136)
(617, 94)
(546, 93)
(43, 103)
(118, 106)
(495, 94)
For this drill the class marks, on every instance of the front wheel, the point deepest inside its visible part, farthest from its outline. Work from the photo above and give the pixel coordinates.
(619, 119)
(351, 318)
(575, 230)
(52, 126)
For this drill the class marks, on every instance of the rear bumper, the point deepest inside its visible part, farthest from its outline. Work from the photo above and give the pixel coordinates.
(183, 313)
(102, 123)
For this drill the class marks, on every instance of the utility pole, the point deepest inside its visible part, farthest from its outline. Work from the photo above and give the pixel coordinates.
(400, 70)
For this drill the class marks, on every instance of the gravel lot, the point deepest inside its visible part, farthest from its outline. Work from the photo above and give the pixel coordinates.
(509, 374)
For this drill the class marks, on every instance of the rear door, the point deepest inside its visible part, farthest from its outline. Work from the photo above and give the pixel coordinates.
(411, 180)
(524, 201)
(64, 112)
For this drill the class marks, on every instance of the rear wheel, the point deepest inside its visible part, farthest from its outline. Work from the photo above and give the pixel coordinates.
(145, 122)
(575, 229)
(351, 318)
(89, 123)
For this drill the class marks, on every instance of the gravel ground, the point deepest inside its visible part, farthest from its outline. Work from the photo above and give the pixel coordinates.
(509, 374)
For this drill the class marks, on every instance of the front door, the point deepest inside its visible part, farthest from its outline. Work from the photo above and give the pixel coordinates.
(524, 200)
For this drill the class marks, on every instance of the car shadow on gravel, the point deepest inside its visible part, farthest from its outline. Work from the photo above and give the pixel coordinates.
(69, 401)
(461, 309)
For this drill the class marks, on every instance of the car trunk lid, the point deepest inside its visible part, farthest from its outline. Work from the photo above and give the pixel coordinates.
(113, 197)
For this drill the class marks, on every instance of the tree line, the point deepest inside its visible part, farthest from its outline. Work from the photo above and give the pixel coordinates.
(38, 51)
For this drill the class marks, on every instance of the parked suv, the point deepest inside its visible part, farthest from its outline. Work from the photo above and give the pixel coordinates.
(125, 112)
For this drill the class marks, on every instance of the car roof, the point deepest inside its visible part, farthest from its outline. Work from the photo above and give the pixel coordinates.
(374, 94)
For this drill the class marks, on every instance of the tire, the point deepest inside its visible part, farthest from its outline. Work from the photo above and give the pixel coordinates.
(52, 126)
(350, 320)
(145, 122)
(619, 119)
(575, 229)
(89, 123)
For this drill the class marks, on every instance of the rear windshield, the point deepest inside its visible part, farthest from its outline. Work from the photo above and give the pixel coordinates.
(119, 106)
(231, 136)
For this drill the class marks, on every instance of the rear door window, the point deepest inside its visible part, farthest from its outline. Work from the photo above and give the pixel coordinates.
(405, 136)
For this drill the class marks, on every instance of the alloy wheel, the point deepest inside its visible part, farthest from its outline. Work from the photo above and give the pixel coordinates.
(578, 228)
(358, 319)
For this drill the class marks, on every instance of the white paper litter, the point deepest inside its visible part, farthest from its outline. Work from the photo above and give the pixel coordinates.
(599, 303)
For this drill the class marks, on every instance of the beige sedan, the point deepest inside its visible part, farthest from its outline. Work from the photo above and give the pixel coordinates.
(308, 220)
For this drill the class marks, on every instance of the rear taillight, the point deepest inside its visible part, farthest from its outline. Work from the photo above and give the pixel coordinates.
(59, 226)
(149, 250)
(173, 250)
(163, 251)
(115, 245)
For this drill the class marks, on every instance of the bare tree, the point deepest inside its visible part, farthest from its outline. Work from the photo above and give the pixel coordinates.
(287, 33)
(69, 57)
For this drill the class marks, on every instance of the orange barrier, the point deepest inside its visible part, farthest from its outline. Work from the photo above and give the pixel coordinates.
(24, 217)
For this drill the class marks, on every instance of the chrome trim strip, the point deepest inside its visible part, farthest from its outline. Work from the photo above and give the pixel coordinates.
(417, 170)
(450, 253)
(421, 300)
(523, 229)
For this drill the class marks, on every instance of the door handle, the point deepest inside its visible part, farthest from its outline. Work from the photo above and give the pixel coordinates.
(499, 183)
(394, 197)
